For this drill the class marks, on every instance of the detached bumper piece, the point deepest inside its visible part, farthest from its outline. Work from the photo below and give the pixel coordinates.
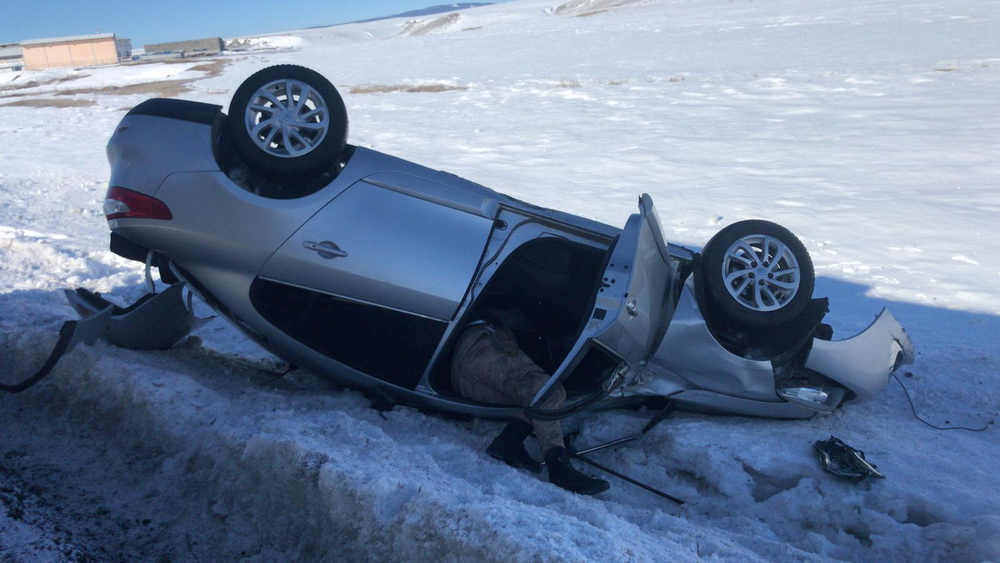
(844, 461)
(155, 322)
(72, 333)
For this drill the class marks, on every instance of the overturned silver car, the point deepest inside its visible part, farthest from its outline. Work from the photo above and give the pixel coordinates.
(365, 267)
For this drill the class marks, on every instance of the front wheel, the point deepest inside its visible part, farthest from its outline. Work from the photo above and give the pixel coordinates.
(288, 123)
(757, 273)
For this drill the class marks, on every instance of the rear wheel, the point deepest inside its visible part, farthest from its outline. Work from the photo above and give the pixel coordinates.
(757, 273)
(288, 123)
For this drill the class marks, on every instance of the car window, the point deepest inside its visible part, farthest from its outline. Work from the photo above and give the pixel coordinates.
(391, 345)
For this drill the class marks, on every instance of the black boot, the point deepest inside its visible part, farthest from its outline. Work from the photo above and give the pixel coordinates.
(508, 446)
(563, 474)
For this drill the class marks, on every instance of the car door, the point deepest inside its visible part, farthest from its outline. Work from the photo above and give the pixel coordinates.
(373, 278)
(631, 308)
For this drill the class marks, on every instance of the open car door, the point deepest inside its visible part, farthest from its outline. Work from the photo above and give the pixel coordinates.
(630, 312)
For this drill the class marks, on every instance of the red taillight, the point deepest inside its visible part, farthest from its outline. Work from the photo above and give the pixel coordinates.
(122, 203)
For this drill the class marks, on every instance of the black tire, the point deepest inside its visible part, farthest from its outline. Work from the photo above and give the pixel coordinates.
(757, 274)
(288, 123)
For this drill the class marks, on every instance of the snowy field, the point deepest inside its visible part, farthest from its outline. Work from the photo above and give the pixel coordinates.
(870, 128)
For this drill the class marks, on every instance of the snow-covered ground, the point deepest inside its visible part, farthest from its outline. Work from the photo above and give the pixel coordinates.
(868, 127)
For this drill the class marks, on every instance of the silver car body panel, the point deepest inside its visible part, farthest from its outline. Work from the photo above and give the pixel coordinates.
(420, 259)
(864, 362)
(467, 201)
(690, 353)
(632, 307)
(139, 156)
(644, 261)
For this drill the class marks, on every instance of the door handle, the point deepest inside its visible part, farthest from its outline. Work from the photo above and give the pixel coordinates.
(326, 249)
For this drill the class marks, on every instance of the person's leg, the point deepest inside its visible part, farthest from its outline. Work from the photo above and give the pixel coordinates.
(508, 446)
(552, 446)
(491, 372)
(479, 369)
(548, 432)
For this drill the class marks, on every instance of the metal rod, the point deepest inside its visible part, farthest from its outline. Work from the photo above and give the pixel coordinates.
(627, 478)
(612, 443)
(660, 416)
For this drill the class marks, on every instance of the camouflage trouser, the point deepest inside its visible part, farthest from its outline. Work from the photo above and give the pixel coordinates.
(488, 366)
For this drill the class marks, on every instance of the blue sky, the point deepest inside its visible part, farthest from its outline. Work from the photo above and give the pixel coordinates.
(174, 20)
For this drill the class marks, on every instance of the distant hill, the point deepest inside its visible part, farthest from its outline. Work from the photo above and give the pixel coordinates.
(417, 13)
